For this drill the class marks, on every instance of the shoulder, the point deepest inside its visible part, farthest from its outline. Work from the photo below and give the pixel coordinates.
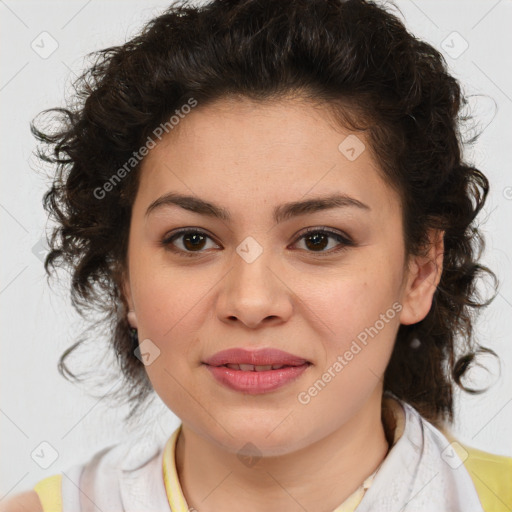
(491, 474)
(501, 465)
(25, 502)
(498, 467)
(103, 469)
(492, 477)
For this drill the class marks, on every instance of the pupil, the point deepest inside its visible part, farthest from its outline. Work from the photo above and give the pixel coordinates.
(195, 239)
(316, 237)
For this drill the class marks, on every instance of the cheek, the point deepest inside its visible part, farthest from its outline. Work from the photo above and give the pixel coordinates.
(362, 317)
(360, 314)
(167, 297)
(356, 299)
(173, 306)
(169, 310)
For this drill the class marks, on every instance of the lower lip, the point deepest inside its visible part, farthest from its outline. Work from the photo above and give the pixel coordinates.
(253, 382)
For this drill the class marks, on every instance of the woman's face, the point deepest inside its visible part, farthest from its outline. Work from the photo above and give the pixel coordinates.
(249, 281)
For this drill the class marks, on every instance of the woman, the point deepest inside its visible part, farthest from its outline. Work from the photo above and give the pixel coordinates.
(269, 202)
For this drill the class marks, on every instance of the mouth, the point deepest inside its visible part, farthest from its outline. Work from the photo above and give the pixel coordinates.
(255, 360)
(258, 368)
(257, 371)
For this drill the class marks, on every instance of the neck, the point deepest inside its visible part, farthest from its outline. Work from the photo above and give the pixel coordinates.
(318, 477)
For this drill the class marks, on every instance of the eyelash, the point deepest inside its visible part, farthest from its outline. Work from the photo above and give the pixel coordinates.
(345, 241)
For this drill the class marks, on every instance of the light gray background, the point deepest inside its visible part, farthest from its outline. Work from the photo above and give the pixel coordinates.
(38, 323)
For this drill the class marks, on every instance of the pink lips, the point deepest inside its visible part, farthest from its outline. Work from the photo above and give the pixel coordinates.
(254, 381)
(259, 357)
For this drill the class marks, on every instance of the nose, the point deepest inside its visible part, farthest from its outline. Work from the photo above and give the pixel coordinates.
(254, 293)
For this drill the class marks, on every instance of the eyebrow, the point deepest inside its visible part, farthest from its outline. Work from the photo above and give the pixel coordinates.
(281, 213)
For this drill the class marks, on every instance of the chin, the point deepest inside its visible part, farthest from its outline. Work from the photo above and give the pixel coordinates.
(261, 439)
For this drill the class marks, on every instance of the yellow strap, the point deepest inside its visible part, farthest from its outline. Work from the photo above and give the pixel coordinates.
(173, 489)
(492, 476)
(49, 491)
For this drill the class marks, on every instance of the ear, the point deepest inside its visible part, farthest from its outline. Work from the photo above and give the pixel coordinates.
(424, 274)
(127, 296)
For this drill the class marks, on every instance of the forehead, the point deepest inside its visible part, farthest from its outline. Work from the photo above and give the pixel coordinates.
(236, 150)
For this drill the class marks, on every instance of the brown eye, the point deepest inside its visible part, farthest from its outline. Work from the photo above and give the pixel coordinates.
(193, 241)
(187, 242)
(317, 240)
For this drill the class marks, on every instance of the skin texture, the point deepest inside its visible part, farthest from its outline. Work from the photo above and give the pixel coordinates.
(24, 502)
(249, 157)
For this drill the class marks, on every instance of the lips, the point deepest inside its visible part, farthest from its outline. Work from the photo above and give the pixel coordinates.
(255, 360)
(255, 368)
(256, 372)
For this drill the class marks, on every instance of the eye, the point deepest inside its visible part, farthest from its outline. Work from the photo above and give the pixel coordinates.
(316, 240)
(191, 241)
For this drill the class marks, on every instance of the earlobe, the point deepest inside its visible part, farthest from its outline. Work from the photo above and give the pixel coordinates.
(131, 316)
(424, 276)
(132, 319)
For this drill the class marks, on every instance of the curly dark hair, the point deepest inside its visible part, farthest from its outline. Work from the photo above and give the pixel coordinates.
(354, 56)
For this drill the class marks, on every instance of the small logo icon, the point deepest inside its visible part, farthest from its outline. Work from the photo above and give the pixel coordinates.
(351, 147)
(454, 45)
(147, 352)
(40, 249)
(454, 455)
(44, 455)
(249, 249)
(249, 455)
(44, 45)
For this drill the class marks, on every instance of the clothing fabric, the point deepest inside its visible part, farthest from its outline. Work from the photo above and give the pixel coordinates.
(421, 473)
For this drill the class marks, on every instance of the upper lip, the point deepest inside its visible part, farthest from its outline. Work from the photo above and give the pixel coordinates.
(260, 357)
